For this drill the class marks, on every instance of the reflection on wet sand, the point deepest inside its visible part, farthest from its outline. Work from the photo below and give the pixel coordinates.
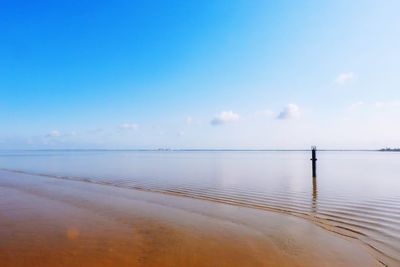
(51, 222)
(314, 195)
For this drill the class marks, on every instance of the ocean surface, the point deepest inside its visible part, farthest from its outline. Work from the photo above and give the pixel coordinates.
(356, 194)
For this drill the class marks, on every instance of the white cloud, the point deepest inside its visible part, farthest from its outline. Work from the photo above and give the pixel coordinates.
(181, 133)
(188, 120)
(345, 77)
(387, 104)
(129, 126)
(54, 133)
(224, 117)
(394, 104)
(57, 133)
(356, 105)
(291, 111)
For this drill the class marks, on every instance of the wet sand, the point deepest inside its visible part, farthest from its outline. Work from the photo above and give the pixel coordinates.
(54, 222)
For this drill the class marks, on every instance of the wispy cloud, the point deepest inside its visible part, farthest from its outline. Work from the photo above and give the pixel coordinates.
(291, 111)
(386, 104)
(188, 120)
(345, 77)
(54, 133)
(129, 126)
(224, 117)
(393, 104)
(356, 105)
(57, 133)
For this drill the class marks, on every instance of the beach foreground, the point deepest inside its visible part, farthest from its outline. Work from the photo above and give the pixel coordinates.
(55, 222)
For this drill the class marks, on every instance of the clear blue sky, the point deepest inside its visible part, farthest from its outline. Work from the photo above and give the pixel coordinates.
(199, 74)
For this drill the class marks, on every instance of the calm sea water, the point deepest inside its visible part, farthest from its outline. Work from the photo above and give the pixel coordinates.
(356, 194)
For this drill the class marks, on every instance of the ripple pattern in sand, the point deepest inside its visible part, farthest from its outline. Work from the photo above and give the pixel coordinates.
(374, 222)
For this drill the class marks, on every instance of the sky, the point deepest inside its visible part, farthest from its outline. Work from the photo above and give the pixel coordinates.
(233, 74)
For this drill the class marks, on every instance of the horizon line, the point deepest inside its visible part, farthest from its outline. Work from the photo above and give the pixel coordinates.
(187, 149)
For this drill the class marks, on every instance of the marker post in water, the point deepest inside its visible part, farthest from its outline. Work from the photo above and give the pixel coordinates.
(314, 160)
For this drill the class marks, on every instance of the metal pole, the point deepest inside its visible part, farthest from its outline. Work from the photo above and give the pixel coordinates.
(314, 160)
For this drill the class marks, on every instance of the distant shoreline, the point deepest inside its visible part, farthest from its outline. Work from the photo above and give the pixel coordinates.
(390, 150)
(201, 150)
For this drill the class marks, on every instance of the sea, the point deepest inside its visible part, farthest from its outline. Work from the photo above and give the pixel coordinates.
(355, 194)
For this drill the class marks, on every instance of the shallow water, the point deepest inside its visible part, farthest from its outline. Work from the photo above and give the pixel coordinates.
(356, 194)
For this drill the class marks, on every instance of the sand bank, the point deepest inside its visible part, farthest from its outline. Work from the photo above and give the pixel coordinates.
(53, 222)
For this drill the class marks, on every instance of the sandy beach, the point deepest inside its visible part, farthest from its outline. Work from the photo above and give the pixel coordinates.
(54, 222)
